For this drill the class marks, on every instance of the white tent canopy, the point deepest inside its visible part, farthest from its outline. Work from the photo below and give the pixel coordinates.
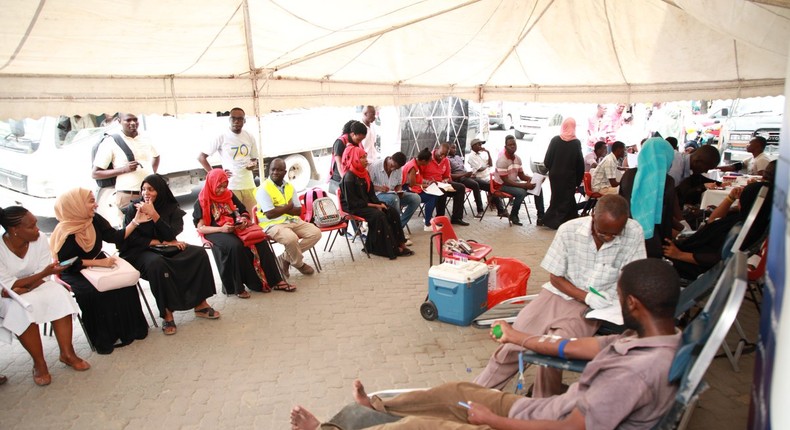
(64, 57)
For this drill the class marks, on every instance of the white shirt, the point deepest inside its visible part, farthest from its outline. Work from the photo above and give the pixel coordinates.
(754, 165)
(607, 169)
(236, 151)
(369, 143)
(144, 153)
(572, 255)
(477, 161)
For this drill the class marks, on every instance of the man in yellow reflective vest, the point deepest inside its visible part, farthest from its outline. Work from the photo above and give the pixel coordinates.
(278, 215)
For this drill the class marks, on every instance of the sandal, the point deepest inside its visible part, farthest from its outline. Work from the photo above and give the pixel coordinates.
(207, 313)
(169, 327)
(243, 295)
(41, 380)
(284, 286)
(406, 252)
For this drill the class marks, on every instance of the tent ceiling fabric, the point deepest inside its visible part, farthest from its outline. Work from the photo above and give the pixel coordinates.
(58, 56)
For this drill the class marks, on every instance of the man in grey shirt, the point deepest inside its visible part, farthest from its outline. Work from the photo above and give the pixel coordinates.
(386, 175)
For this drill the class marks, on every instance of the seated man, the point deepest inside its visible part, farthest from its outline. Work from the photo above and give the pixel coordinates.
(511, 179)
(705, 158)
(480, 166)
(756, 164)
(624, 386)
(604, 177)
(438, 170)
(386, 175)
(459, 174)
(278, 215)
(592, 159)
(586, 253)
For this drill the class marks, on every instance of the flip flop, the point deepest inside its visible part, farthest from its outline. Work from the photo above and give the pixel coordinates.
(169, 327)
(284, 286)
(243, 295)
(207, 313)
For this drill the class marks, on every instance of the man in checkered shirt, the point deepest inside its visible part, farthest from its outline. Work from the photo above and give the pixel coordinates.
(586, 253)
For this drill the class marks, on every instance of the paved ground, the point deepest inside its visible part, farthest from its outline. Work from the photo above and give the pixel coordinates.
(246, 370)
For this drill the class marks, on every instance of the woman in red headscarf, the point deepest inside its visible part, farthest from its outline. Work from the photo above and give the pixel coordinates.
(385, 235)
(565, 163)
(217, 215)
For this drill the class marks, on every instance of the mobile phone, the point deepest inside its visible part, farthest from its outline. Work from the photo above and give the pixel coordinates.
(68, 262)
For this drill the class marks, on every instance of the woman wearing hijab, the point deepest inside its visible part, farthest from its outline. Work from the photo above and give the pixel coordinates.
(565, 164)
(179, 281)
(701, 251)
(385, 235)
(217, 215)
(353, 134)
(656, 207)
(108, 316)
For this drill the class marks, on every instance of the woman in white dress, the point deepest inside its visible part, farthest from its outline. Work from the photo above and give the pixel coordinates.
(30, 296)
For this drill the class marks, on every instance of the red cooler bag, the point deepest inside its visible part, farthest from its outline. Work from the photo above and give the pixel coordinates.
(507, 279)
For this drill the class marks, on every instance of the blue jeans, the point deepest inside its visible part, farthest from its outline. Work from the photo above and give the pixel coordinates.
(430, 204)
(408, 201)
(519, 194)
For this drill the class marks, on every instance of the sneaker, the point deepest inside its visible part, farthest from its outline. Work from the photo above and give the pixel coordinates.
(427, 228)
(409, 242)
(515, 220)
(305, 269)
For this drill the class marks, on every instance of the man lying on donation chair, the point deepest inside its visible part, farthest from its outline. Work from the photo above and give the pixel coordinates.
(624, 386)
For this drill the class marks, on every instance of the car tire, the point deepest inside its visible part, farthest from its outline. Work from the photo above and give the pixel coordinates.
(297, 171)
(518, 134)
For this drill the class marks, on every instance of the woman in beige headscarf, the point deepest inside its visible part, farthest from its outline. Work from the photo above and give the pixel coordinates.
(111, 318)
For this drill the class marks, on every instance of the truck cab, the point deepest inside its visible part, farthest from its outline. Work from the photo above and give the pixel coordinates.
(758, 116)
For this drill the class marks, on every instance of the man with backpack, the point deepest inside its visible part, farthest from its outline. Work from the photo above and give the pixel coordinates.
(124, 160)
(278, 215)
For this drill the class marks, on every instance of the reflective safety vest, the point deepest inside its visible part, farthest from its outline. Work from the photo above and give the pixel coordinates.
(278, 199)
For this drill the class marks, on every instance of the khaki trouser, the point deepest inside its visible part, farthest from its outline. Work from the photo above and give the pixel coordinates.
(247, 198)
(289, 234)
(436, 408)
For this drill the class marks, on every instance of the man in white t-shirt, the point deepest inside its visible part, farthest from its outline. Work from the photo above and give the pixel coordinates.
(239, 155)
(756, 164)
(128, 175)
(369, 142)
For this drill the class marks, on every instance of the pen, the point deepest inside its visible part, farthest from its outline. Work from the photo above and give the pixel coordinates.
(466, 405)
(594, 291)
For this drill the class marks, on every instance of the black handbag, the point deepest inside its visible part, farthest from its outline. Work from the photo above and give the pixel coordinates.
(165, 250)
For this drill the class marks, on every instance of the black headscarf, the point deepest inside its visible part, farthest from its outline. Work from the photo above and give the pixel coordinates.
(165, 203)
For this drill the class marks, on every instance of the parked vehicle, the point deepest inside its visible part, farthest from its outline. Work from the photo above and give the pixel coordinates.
(39, 159)
(500, 114)
(757, 116)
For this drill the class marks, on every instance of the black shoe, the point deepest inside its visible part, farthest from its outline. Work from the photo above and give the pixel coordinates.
(459, 222)
(503, 214)
(515, 221)
(539, 222)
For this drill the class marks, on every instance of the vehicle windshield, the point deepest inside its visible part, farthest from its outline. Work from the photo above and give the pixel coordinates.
(759, 105)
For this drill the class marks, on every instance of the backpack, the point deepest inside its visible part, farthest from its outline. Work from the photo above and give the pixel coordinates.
(320, 209)
(110, 182)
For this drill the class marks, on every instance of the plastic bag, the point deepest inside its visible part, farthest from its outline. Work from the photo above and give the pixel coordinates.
(511, 279)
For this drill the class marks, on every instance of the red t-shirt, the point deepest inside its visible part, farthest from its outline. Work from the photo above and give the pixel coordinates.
(434, 171)
(412, 164)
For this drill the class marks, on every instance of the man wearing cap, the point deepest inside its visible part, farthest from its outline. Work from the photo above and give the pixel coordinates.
(480, 163)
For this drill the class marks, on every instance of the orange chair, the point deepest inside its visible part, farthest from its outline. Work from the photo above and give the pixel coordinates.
(355, 221)
(756, 276)
(443, 231)
(592, 196)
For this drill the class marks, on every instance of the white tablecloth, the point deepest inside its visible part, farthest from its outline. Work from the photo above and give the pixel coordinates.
(713, 197)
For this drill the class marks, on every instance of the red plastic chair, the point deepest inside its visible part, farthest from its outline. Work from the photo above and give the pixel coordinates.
(271, 243)
(337, 229)
(756, 276)
(443, 230)
(494, 190)
(355, 221)
(592, 196)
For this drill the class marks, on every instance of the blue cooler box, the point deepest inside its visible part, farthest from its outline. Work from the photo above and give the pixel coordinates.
(459, 291)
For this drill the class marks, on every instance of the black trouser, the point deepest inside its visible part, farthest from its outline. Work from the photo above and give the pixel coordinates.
(458, 201)
(473, 185)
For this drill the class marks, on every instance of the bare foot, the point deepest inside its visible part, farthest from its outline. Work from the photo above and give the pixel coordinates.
(302, 419)
(360, 396)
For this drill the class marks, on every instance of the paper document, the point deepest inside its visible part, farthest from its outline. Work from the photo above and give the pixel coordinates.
(434, 190)
(446, 187)
(16, 297)
(613, 314)
(537, 179)
(632, 160)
